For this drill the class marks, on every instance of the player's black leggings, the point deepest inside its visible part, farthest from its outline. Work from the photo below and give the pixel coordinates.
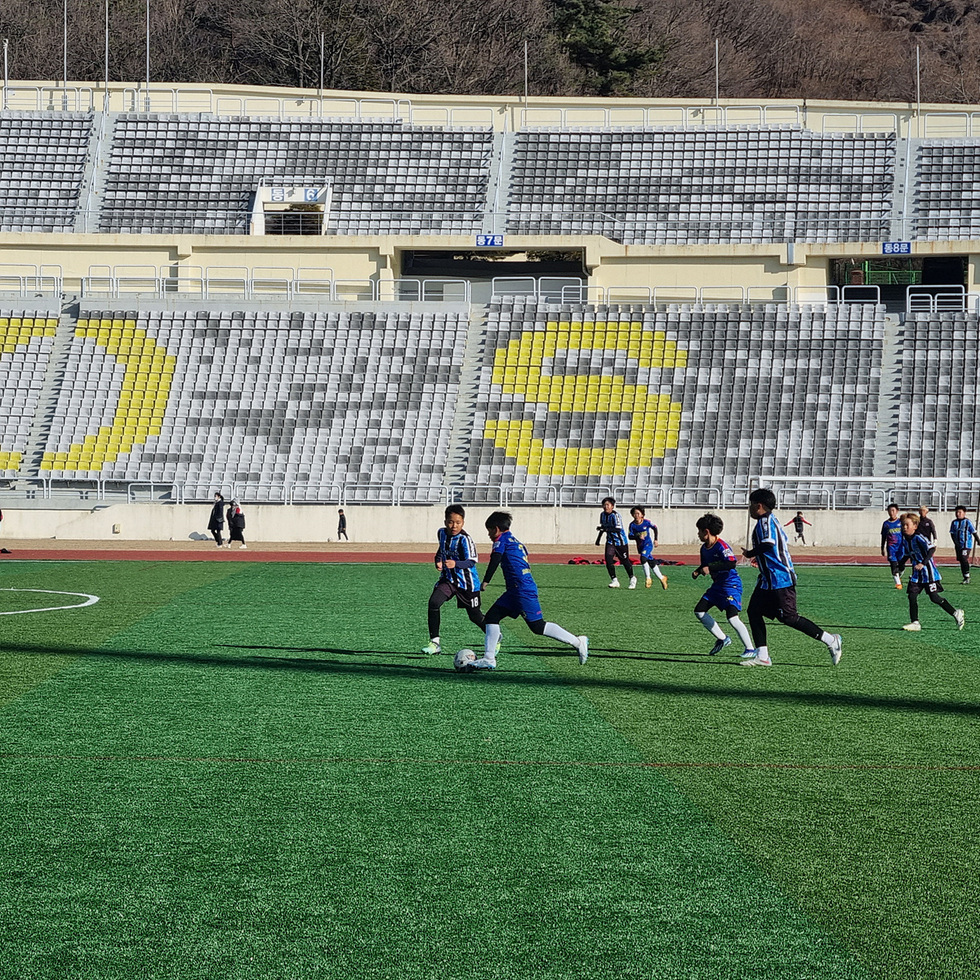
(935, 597)
(436, 600)
(620, 551)
(777, 604)
(216, 533)
(963, 556)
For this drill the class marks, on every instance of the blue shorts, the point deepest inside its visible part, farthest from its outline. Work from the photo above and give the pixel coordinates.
(513, 604)
(723, 598)
(896, 554)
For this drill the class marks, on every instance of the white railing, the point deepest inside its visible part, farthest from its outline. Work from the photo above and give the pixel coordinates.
(215, 282)
(816, 492)
(30, 280)
(941, 299)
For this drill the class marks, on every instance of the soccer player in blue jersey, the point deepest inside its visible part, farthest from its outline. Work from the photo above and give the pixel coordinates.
(775, 592)
(458, 579)
(925, 575)
(963, 534)
(644, 533)
(893, 544)
(520, 597)
(617, 545)
(725, 591)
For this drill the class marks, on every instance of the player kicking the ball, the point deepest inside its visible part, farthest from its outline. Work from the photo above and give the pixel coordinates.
(520, 597)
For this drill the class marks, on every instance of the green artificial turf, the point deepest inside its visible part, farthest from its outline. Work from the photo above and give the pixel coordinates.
(246, 770)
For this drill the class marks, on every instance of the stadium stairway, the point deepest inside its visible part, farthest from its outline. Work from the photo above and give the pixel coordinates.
(67, 322)
(889, 398)
(464, 416)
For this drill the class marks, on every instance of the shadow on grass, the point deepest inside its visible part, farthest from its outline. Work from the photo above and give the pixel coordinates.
(444, 672)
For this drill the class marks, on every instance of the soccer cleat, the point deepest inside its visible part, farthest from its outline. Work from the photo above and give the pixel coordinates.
(756, 661)
(649, 582)
(748, 654)
(898, 585)
(484, 663)
(432, 647)
(966, 581)
(614, 584)
(496, 649)
(960, 618)
(913, 627)
(583, 649)
(633, 582)
(835, 649)
(663, 583)
(720, 645)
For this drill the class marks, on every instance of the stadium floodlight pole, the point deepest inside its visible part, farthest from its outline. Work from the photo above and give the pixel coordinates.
(321, 72)
(64, 54)
(6, 80)
(106, 59)
(918, 88)
(525, 74)
(147, 100)
(717, 87)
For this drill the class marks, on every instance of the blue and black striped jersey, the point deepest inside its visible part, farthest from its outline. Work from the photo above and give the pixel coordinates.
(612, 524)
(460, 549)
(920, 551)
(771, 548)
(963, 533)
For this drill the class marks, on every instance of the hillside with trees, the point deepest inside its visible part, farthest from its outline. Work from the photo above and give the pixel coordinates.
(833, 49)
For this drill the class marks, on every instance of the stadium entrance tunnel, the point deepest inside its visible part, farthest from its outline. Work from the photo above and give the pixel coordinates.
(892, 275)
(480, 266)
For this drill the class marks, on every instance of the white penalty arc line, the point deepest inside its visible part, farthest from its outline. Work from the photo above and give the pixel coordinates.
(90, 600)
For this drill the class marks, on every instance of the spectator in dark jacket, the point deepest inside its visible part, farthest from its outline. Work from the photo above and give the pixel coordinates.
(236, 525)
(216, 523)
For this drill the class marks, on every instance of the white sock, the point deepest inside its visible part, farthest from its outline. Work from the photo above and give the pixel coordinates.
(742, 630)
(710, 625)
(762, 652)
(492, 638)
(436, 641)
(827, 638)
(557, 633)
(657, 572)
(898, 579)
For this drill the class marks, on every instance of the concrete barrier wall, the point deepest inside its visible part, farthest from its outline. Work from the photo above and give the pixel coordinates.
(571, 526)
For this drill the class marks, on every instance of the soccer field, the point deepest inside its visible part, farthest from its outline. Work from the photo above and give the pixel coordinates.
(245, 771)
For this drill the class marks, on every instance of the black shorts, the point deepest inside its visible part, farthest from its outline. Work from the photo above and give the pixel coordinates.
(464, 598)
(915, 588)
(963, 554)
(774, 603)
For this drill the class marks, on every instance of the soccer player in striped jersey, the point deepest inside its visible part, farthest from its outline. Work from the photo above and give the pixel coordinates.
(617, 544)
(893, 544)
(644, 533)
(925, 575)
(775, 592)
(458, 579)
(963, 534)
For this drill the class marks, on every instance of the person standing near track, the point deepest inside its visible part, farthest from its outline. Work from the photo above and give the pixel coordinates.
(216, 522)
(963, 534)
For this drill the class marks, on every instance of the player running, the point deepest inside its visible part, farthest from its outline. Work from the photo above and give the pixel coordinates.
(925, 574)
(644, 533)
(725, 591)
(520, 597)
(617, 546)
(893, 544)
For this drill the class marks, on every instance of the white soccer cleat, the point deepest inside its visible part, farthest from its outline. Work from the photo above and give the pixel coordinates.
(912, 627)
(749, 654)
(614, 584)
(835, 649)
(756, 661)
(464, 660)
(583, 649)
(633, 582)
(960, 618)
(433, 647)
(720, 645)
(484, 663)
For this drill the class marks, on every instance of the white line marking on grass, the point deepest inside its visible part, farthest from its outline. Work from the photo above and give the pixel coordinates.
(90, 600)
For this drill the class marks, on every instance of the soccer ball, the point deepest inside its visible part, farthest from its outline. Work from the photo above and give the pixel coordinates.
(464, 660)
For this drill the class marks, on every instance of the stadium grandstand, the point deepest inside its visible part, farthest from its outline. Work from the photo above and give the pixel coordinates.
(356, 299)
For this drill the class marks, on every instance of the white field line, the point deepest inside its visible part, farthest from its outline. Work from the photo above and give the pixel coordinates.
(90, 600)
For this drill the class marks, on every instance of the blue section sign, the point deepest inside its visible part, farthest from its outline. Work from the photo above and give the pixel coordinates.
(896, 248)
(489, 241)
